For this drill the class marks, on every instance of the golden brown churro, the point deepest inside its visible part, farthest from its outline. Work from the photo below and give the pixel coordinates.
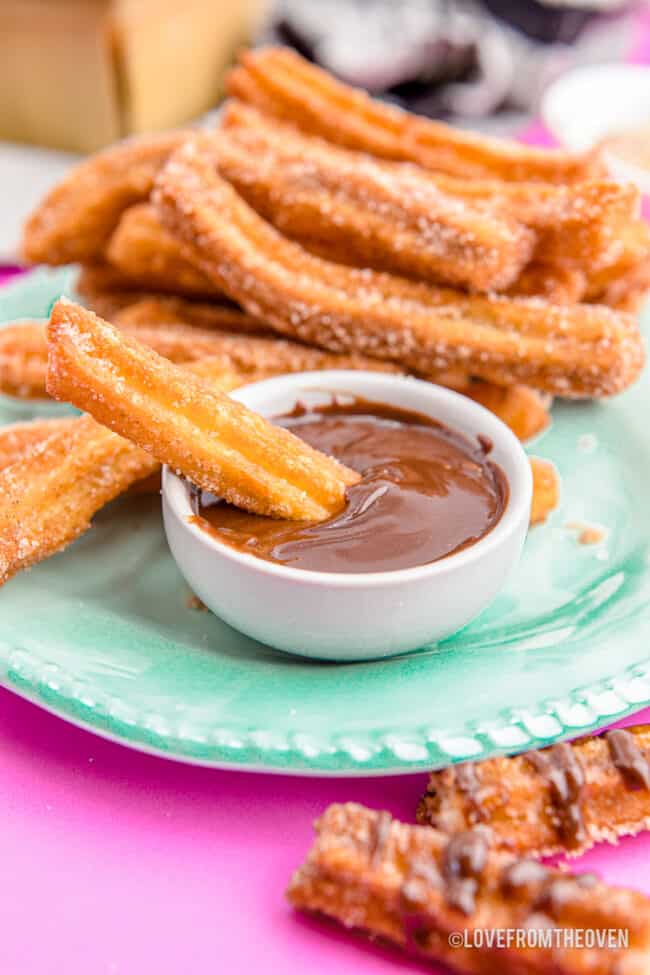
(522, 409)
(564, 798)
(23, 360)
(17, 439)
(278, 81)
(73, 458)
(77, 217)
(168, 310)
(49, 494)
(574, 351)
(324, 195)
(147, 254)
(220, 445)
(546, 489)
(416, 887)
(23, 353)
(371, 213)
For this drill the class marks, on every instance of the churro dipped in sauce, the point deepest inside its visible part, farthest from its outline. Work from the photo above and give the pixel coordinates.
(426, 492)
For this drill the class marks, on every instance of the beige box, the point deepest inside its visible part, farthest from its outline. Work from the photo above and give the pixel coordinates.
(78, 74)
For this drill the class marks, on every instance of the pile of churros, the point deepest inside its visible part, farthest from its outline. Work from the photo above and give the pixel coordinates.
(315, 229)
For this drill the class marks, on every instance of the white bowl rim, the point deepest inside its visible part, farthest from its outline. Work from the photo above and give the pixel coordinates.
(176, 490)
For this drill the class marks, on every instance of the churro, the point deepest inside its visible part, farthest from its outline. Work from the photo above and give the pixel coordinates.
(150, 257)
(81, 464)
(344, 200)
(220, 445)
(573, 351)
(76, 218)
(23, 360)
(371, 213)
(417, 887)
(23, 353)
(168, 310)
(546, 489)
(278, 81)
(17, 439)
(522, 409)
(560, 799)
(557, 284)
(49, 494)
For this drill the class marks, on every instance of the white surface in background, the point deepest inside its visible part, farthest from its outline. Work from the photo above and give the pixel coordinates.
(586, 104)
(26, 173)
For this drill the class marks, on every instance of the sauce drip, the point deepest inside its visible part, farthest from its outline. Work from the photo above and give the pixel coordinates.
(426, 492)
(562, 770)
(628, 758)
(463, 865)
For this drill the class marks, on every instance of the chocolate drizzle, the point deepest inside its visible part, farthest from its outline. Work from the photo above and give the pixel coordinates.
(563, 772)
(380, 833)
(464, 861)
(543, 889)
(522, 878)
(416, 923)
(628, 758)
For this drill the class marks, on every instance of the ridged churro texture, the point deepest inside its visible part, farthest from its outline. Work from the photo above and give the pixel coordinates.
(415, 887)
(530, 811)
(220, 445)
(173, 310)
(369, 213)
(82, 466)
(53, 487)
(402, 218)
(17, 439)
(278, 81)
(76, 218)
(24, 353)
(150, 257)
(574, 351)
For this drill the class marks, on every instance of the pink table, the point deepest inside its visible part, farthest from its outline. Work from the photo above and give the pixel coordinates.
(117, 863)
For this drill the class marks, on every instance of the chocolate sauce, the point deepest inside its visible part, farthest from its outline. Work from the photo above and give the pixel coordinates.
(464, 861)
(628, 758)
(426, 492)
(562, 770)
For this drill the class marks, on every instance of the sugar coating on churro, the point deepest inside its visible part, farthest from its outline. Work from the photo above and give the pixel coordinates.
(219, 444)
(562, 799)
(400, 217)
(416, 886)
(370, 213)
(150, 257)
(567, 350)
(76, 218)
(278, 81)
(54, 486)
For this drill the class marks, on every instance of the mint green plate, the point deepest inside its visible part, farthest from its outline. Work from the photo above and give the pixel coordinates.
(103, 635)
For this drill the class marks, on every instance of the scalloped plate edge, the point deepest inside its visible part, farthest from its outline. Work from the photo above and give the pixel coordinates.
(390, 752)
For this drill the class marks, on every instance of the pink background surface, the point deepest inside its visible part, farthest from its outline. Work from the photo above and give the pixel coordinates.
(116, 863)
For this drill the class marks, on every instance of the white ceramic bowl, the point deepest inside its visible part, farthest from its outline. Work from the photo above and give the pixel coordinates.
(340, 616)
(588, 103)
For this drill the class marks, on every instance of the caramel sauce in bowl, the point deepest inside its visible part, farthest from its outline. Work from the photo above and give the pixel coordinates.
(371, 586)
